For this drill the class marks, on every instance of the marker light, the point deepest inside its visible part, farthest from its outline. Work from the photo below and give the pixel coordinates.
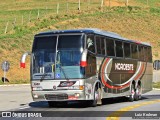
(83, 62)
(22, 65)
(81, 87)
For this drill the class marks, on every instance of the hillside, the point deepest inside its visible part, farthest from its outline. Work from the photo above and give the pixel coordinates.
(139, 21)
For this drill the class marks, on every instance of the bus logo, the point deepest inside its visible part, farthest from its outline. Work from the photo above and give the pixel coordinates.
(123, 66)
(66, 83)
(54, 87)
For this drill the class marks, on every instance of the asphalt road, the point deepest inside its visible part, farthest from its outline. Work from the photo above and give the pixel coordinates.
(18, 98)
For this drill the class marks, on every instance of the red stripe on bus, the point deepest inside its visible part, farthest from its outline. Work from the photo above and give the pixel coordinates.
(140, 73)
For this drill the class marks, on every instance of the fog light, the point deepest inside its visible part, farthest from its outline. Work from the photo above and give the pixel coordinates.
(35, 96)
(76, 94)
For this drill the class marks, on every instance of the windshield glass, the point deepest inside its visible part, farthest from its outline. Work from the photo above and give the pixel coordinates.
(57, 57)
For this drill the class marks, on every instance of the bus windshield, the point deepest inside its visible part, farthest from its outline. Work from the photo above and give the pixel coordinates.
(57, 57)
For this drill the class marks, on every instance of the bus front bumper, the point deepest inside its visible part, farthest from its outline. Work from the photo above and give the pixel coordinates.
(65, 95)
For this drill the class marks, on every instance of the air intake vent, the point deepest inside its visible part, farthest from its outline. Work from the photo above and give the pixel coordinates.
(56, 96)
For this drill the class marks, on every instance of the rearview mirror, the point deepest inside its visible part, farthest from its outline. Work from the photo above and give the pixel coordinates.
(23, 59)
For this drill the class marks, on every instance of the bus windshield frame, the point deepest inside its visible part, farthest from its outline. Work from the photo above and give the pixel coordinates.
(57, 56)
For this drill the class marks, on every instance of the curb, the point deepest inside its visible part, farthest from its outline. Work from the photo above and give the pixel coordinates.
(14, 85)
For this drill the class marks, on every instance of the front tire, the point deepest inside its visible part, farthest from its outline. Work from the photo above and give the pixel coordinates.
(97, 98)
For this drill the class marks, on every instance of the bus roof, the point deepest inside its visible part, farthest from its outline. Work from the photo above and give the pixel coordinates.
(92, 30)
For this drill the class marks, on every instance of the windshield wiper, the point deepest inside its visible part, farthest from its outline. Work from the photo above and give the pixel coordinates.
(60, 66)
(45, 74)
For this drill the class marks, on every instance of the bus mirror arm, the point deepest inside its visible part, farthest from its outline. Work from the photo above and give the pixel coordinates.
(23, 59)
(83, 62)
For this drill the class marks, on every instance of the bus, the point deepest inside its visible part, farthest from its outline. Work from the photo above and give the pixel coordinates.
(88, 65)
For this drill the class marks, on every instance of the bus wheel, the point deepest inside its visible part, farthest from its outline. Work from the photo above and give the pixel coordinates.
(132, 96)
(97, 98)
(138, 93)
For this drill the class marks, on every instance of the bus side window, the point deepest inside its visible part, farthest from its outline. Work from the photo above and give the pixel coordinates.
(100, 45)
(149, 54)
(134, 51)
(146, 54)
(119, 49)
(90, 43)
(110, 47)
(141, 53)
(103, 46)
(127, 50)
(90, 70)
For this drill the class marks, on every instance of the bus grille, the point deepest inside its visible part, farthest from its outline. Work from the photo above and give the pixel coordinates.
(56, 97)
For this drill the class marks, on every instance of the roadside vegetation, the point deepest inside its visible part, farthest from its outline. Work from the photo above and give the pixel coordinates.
(139, 21)
(156, 85)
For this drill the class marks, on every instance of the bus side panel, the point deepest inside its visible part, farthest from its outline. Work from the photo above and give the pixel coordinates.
(147, 78)
(118, 74)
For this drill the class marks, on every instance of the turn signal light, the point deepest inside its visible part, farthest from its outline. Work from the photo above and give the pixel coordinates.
(81, 87)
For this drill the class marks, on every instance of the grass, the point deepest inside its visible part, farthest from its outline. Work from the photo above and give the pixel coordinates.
(15, 82)
(134, 22)
(156, 85)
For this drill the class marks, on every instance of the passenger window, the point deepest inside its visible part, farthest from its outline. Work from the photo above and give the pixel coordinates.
(110, 47)
(146, 54)
(127, 50)
(100, 45)
(149, 54)
(141, 53)
(103, 46)
(90, 43)
(119, 49)
(90, 70)
(134, 51)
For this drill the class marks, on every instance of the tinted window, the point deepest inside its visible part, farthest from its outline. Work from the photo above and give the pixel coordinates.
(145, 54)
(45, 42)
(127, 50)
(70, 41)
(110, 47)
(90, 43)
(149, 54)
(141, 53)
(100, 45)
(90, 70)
(134, 51)
(119, 50)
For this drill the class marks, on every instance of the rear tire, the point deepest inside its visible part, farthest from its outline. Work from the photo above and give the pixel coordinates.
(138, 93)
(132, 96)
